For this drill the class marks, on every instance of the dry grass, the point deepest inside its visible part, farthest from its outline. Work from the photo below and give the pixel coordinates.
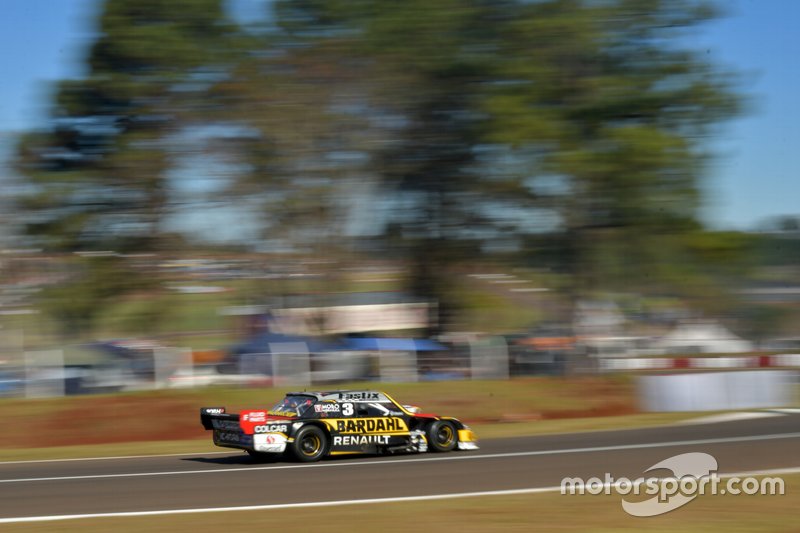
(174, 415)
(534, 512)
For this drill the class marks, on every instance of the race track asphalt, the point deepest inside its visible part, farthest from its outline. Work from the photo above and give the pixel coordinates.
(196, 481)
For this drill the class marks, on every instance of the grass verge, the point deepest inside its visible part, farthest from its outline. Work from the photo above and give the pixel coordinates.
(204, 445)
(168, 415)
(167, 421)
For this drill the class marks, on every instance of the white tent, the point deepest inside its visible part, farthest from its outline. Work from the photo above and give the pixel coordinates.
(703, 337)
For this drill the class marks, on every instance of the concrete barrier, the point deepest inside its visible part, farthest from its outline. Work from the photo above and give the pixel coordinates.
(624, 364)
(716, 391)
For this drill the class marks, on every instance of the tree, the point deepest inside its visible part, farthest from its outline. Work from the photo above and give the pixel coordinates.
(281, 104)
(100, 170)
(93, 284)
(593, 112)
(614, 106)
(99, 174)
(418, 78)
(478, 119)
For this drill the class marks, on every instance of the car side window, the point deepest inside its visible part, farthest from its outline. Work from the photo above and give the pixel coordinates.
(379, 409)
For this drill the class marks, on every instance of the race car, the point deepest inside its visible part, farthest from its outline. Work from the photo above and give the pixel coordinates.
(311, 425)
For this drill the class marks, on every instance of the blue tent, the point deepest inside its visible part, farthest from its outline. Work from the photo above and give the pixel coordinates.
(388, 343)
(264, 342)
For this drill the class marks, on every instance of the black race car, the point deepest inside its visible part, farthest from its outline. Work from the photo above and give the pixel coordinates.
(312, 425)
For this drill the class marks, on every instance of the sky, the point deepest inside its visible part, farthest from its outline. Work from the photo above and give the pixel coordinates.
(757, 172)
(754, 177)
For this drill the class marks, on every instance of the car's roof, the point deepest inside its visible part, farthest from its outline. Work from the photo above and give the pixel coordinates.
(329, 392)
(344, 395)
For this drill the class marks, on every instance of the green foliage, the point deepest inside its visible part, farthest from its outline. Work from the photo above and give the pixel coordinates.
(94, 283)
(456, 114)
(779, 250)
(100, 169)
(765, 321)
(601, 95)
(615, 107)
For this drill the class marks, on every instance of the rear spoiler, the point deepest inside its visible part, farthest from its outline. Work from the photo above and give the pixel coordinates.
(218, 413)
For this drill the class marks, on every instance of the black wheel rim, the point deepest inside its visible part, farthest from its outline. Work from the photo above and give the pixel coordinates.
(445, 436)
(311, 445)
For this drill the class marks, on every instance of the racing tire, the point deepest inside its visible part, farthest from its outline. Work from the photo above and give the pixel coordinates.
(310, 444)
(442, 436)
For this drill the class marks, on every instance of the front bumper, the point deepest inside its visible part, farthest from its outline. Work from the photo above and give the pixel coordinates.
(467, 440)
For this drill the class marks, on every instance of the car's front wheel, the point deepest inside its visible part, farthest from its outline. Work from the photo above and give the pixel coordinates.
(442, 436)
(310, 444)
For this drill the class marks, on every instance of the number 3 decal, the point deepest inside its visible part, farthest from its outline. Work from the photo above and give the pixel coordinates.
(347, 409)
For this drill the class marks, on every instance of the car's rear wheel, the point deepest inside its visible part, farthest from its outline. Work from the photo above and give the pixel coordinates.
(442, 436)
(310, 444)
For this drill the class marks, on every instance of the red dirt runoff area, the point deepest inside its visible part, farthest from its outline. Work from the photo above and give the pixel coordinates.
(175, 415)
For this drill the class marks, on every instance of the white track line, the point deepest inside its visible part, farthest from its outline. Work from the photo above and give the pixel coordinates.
(417, 459)
(730, 417)
(399, 499)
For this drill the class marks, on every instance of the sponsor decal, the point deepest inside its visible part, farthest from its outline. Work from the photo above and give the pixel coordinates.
(272, 438)
(271, 443)
(271, 428)
(250, 420)
(254, 416)
(360, 396)
(358, 440)
(228, 436)
(230, 425)
(271, 448)
(214, 410)
(371, 425)
(287, 414)
(326, 408)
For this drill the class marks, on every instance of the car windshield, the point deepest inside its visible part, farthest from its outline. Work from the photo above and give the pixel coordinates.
(293, 405)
